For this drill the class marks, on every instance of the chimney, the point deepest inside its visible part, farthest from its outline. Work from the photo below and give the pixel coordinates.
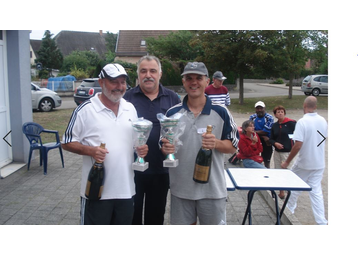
(100, 32)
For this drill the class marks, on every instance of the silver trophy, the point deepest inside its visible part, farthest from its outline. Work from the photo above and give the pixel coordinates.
(142, 128)
(169, 130)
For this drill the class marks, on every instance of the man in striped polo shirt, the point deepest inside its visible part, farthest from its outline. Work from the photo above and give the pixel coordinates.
(217, 92)
(191, 200)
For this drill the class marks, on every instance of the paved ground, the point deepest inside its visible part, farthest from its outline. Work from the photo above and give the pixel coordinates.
(31, 198)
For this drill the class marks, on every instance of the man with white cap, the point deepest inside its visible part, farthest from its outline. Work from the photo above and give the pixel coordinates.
(263, 123)
(216, 91)
(106, 118)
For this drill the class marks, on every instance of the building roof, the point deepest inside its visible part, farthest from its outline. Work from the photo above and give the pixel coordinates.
(68, 41)
(129, 41)
(36, 45)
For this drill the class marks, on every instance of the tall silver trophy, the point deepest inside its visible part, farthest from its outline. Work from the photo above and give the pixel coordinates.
(170, 129)
(142, 128)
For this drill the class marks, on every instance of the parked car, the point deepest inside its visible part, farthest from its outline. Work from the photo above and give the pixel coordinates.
(315, 85)
(44, 99)
(88, 88)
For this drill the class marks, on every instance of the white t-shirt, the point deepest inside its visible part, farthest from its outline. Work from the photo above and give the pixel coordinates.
(91, 124)
(312, 153)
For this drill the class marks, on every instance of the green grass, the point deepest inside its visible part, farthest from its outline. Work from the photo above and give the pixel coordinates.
(54, 120)
(58, 118)
(271, 102)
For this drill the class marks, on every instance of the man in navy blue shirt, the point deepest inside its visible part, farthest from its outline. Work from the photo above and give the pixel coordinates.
(263, 123)
(150, 98)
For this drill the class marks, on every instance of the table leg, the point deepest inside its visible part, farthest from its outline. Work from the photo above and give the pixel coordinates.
(274, 195)
(285, 203)
(250, 196)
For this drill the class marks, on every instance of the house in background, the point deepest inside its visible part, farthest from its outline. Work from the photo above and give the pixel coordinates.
(68, 41)
(131, 44)
(34, 47)
(130, 47)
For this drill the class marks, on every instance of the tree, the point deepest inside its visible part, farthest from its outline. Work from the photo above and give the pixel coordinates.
(294, 53)
(81, 60)
(49, 55)
(175, 46)
(318, 50)
(231, 51)
(111, 40)
(245, 53)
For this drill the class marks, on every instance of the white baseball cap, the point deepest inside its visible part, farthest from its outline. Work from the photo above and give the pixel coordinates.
(260, 103)
(112, 71)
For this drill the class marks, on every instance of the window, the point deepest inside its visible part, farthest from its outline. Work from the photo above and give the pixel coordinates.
(0, 34)
(142, 43)
(324, 79)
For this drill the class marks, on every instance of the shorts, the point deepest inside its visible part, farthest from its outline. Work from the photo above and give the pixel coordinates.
(107, 212)
(280, 157)
(208, 211)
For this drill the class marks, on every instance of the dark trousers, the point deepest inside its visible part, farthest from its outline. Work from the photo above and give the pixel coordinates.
(108, 212)
(151, 191)
(266, 153)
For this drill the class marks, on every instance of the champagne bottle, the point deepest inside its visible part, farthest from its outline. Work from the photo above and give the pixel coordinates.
(203, 163)
(95, 179)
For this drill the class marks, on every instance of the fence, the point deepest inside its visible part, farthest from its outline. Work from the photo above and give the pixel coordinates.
(58, 86)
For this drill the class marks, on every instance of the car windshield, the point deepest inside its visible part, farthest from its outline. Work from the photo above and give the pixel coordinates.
(34, 87)
(89, 84)
(307, 78)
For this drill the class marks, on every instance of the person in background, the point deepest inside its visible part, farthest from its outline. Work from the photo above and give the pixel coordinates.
(250, 146)
(280, 138)
(216, 91)
(106, 118)
(150, 98)
(263, 122)
(309, 137)
(191, 200)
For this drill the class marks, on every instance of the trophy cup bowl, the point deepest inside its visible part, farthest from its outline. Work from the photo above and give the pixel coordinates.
(142, 129)
(169, 126)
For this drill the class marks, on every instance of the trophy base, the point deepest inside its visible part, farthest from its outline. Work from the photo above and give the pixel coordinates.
(171, 163)
(140, 166)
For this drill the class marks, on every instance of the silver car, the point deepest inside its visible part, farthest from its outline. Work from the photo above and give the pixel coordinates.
(44, 99)
(315, 85)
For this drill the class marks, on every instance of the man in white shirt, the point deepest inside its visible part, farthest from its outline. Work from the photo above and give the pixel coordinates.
(106, 118)
(309, 144)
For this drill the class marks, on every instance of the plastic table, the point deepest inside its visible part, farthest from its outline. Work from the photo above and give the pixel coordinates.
(254, 179)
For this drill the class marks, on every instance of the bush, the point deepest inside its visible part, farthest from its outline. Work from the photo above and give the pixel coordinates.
(278, 81)
(79, 73)
(171, 74)
(131, 70)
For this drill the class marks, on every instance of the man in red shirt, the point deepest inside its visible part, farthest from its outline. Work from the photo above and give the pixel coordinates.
(217, 92)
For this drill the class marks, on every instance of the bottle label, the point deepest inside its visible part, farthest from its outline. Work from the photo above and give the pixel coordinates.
(201, 173)
(88, 187)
